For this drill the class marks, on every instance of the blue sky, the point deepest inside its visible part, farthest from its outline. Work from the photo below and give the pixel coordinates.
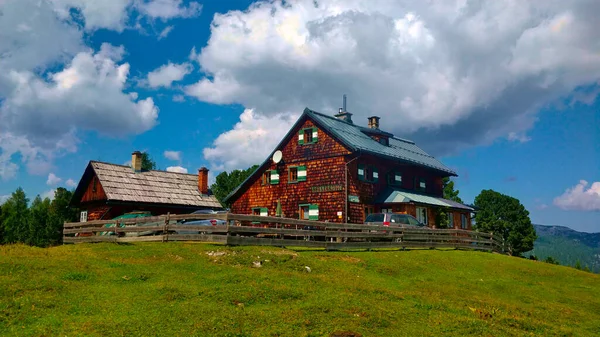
(506, 97)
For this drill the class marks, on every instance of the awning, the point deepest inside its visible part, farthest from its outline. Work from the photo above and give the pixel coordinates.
(391, 196)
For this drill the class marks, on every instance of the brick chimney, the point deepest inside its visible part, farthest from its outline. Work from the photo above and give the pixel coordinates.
(136, 161)
(374, 122)
(203, 180)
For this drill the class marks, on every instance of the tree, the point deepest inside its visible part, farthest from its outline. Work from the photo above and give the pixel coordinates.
(449, 192)
(39, 220)
(578, 265)
(505, 215)
(551, 260)
(60, 211)
(225, 182)
(15, 215)
(147, 162)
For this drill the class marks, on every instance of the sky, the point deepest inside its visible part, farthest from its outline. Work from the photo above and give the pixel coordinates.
(504, 92)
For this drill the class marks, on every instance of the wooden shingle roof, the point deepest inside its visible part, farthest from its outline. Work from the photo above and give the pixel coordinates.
(121, 183)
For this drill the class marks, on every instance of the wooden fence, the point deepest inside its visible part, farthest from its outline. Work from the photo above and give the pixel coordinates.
(237, 229)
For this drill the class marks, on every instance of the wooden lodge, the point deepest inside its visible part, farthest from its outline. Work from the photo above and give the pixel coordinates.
(108, 190)
(327, 168)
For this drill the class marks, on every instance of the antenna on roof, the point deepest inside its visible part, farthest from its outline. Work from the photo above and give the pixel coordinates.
(344, 104)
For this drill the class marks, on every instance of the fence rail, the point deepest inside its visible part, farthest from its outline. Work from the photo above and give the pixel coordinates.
(274, 231)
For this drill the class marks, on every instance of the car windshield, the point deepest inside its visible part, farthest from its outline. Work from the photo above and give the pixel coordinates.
(376, 217)
(400, 218)
(413, 221)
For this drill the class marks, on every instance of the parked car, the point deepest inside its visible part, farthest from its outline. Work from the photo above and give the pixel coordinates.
(128, 216)
(201, 223)
(393, 219)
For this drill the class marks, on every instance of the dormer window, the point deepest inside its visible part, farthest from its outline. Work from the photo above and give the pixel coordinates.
(384, 141)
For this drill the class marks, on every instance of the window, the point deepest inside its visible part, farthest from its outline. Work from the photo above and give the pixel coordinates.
(384, 141)
(395, 178)
(450, 220)
(262, 211)
(296, 174)
(463, 221)
(271, 177)
(421, 184)
(422, 215)
(308, 136)
(386, 210)
(309, 212)
(368, 173)
(83, 216)
(399, 219)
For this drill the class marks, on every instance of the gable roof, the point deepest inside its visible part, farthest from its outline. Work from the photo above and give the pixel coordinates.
(398, 195)
(121, 183)
(354, 138)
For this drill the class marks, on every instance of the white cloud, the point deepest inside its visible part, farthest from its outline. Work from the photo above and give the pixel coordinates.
(53, 179)
(430, 69)
(48, 194)
(167, 74)
(250, 141)
(178, 98)
(580, 198)
(71, 183)
(3, 198)
(177, 169)
(172, 155)
(168, 9)
(165, 32)
(110, 14)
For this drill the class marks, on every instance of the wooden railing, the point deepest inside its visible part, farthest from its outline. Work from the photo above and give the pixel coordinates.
(238, 229)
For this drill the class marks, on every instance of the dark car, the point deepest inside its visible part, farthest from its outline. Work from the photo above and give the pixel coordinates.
(201, 223)
(393, 219)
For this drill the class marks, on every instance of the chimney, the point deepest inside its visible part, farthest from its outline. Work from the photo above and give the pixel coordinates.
(136, 161)
(343, 114)
(374, 122)
(203, 180)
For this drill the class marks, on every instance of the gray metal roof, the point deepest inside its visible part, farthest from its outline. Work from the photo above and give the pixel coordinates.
(392, 195)
(121, 183)
(355, 138)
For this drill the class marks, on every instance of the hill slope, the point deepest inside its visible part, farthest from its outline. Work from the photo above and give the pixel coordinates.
(567, 246)
(197, 289)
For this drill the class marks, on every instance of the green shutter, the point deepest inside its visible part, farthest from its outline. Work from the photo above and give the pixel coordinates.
(274, 177)
(315, 133)
(375, 174)
(301, 137)
(301, 173)
(313, 212)
(361, 172)
(264, 211)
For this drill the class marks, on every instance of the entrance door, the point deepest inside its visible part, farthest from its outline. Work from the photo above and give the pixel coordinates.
(422, 215)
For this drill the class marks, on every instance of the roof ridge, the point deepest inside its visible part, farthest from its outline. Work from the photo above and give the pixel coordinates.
(160, 171)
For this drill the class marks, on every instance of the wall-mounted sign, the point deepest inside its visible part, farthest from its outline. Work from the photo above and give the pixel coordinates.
(339, 214)
(353, 198)
(326, 188)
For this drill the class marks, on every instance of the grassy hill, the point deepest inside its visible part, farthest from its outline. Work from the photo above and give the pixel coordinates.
(567, 246)
(199, 289)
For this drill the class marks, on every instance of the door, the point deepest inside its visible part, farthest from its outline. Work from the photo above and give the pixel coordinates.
(422, 215)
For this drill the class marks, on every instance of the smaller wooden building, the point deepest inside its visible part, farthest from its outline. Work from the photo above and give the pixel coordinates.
(108, 190)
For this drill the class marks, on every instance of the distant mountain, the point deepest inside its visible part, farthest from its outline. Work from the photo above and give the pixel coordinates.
(567, 246)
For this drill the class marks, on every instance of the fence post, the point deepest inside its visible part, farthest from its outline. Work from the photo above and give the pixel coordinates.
(166, 228)
(115, 231)
(492, 241)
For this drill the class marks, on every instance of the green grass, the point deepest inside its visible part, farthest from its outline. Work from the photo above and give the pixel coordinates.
(177, 289)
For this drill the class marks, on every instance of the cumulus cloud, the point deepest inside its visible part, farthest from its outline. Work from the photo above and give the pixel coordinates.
(165, 75)
(48, 194)
(250, 141)
(3, 198)
(53, 179)
(580, 197)
(177, 169)
(172, 155)
(169, 9)
(448, 74)
(71, 183)
(165, 32)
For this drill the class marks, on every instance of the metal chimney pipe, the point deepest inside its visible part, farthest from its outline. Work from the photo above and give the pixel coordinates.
(344, 105)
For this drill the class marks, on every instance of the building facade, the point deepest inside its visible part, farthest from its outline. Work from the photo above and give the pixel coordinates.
(333, 170)
(106, 191)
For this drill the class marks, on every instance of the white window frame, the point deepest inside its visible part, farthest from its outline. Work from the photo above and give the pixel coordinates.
(83, 216)
(422, 215)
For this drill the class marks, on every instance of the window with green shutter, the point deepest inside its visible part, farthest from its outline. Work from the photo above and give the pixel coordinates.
(361, 172)
(309, 212)
(374, 174)
(368, 173)
(301, 173)
(274, 177)
(395, 178)
(308, 136)
(262, 211)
